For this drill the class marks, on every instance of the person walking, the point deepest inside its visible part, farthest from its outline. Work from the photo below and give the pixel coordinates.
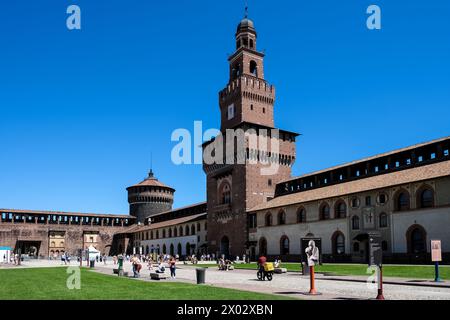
(173, 267)
(104, 259)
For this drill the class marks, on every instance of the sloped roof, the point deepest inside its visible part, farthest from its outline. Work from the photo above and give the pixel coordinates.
(367, 159)
(431, 171)
(151, 181)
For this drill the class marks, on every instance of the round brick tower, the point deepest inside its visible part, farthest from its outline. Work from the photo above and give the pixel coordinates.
(149, 197)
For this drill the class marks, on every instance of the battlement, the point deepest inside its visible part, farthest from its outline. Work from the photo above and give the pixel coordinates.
(247, 82)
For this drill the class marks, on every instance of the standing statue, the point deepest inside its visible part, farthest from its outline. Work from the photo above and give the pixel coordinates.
(312, 253)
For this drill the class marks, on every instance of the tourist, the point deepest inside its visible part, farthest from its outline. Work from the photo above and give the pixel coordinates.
(277, 262)
(63, 259)
(244, 258)
(68, 258)
(160, 268)
(172, 267)
(136, 264)
(104, 259)
(261, 262)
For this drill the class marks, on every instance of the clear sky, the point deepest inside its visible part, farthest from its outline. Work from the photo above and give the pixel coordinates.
(81, 111)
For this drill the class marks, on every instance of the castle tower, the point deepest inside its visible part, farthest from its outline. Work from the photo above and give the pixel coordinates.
(246, 104)
(149, 197)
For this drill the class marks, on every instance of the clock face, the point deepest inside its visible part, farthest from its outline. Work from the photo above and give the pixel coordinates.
(231, 111)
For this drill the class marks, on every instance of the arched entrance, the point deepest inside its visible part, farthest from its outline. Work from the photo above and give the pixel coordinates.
(225, 246)
(263, 247)
(188, 249)
(361, 243)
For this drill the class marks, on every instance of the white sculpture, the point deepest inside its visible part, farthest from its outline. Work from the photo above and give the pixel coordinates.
(312, 253)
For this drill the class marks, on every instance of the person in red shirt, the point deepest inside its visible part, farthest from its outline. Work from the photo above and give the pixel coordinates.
(261, 262)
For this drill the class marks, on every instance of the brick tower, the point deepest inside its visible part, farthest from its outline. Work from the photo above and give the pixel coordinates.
(233, 187)
(149, 197)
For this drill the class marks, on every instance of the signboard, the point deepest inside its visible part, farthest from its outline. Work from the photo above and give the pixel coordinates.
(375, 251)
(436, 251)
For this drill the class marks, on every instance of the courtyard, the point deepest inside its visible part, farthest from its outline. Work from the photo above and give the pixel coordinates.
(43, 279)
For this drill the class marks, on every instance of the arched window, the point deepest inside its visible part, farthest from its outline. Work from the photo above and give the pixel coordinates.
(225, 193)
(180, 231)
(426, 198)
(172, 251)
(164, 248)
(284, 245)
(147, 250)
(338, 242)
(263, 247)
(198, 226)
(383, 220)
(192, 229)
(340, 210)
(416, 237)
(355, 223)
(301, 215)
(402, 201)
(281, 217)
(175, 233)
(179, 249)
(186, 231)
(254, 68)
(324, 212)
(268, 219)
(170, 232)
(164, 233)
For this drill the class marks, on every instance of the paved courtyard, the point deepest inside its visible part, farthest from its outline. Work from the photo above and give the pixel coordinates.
(290, 284)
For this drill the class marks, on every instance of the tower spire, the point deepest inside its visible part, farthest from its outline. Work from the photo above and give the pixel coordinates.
(150, 173)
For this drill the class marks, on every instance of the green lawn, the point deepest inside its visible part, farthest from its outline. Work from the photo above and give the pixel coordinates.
(413, 272)
(50, 284)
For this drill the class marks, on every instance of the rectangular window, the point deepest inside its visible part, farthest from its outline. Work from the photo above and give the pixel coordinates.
(420, 159)
(446, 153)
(368, 201)
(433, 156)
(231, 111)
(397, 164)
(408, 162)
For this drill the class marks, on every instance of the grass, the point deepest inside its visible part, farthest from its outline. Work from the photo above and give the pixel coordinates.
(50, 284)
(412, 272)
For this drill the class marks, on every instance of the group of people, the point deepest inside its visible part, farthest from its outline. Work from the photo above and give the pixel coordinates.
(13, 258)
(159, 266)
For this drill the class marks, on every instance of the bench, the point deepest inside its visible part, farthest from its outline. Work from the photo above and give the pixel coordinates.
(157, 276)
(280, 270)
(116, 271)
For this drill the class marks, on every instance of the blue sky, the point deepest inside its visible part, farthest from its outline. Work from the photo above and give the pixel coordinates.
(81, 111)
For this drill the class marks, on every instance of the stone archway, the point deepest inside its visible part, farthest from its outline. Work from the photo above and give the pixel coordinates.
(225, 246)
